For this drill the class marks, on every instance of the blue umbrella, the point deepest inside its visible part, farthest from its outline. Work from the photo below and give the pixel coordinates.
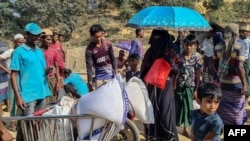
(170, 17)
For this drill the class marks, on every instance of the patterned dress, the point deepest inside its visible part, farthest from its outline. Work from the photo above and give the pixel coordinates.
(185, 86)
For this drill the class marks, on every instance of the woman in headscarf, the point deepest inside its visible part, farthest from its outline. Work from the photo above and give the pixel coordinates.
(162, 100)
(188, 80)
(232, 77)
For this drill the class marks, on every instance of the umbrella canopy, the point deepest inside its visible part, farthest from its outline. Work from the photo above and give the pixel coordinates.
(170, 17)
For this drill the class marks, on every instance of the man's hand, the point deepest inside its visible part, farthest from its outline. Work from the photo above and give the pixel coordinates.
(90, 87)
(20, 103)
(195, 95)
(244, 89)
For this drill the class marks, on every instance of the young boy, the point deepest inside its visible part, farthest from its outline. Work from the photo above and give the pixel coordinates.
(133, 62)
(206, 123)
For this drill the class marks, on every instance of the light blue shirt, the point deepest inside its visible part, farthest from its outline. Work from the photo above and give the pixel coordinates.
(77, 82)
(246, 42)
(32, 81)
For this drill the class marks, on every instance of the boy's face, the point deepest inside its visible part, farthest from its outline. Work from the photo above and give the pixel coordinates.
(133, 63)
(209, 105)
(190, 47)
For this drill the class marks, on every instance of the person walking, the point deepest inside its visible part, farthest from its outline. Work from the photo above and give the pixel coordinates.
(28, 76)
(231, 71)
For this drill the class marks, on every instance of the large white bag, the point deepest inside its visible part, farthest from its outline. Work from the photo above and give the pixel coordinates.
(63, 108)
(109, 101)
(138, 96)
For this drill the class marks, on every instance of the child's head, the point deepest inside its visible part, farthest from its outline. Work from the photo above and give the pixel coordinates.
(133, 61)
(190, 43)
(209, 96)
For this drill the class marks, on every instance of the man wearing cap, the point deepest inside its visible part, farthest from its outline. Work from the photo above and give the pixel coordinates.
(245, 39)
(28, 77)
(52, 59)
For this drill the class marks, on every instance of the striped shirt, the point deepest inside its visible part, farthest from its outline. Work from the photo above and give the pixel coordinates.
(237, 55)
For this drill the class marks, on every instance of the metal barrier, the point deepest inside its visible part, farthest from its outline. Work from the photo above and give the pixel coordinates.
(62, 128)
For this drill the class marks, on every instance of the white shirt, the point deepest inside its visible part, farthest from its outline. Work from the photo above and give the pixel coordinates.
(208, 47)
(7, 56)
(246, 42)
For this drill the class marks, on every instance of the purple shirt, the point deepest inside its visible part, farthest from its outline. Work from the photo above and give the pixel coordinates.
(136, 48)
(102, 59)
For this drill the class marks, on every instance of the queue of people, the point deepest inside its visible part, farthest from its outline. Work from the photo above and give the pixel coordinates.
(37, 73)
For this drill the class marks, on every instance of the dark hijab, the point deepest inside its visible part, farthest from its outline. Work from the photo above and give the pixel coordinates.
(160, 43)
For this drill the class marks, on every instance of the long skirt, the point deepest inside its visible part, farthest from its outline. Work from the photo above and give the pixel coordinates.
(184, 104)
(232, 106)
(163, 103)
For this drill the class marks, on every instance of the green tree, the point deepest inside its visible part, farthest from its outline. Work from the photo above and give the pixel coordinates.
(242, 8)
(213, 4)
(61, 14)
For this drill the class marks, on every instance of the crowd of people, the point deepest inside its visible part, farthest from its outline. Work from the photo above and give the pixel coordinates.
(214, 73)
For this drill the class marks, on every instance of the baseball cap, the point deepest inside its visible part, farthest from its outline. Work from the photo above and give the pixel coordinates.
(33, 28)
(47, 31)
(18, 36)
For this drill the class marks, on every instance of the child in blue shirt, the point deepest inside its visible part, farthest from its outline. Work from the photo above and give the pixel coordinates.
(206, 124)
(74, 84)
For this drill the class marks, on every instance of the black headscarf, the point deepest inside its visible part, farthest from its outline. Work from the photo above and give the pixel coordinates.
(160, 41)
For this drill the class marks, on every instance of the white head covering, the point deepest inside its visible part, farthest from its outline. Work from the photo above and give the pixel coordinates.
(18, 36)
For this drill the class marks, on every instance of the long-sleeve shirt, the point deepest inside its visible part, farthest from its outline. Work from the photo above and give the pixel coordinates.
(102, 59)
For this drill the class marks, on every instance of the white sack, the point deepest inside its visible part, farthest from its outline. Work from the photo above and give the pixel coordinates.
(108, 101)
(64, 109)
(138, 96)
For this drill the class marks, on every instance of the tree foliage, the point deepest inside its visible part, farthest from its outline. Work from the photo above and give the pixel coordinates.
(63, 14)
(242, 8)
(213, 4)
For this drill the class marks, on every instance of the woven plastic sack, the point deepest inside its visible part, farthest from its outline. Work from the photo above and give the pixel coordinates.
(138, 96)
(109, 102)
(158, 73)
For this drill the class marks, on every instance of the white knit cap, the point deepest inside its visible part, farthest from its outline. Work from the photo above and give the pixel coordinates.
(18, 36)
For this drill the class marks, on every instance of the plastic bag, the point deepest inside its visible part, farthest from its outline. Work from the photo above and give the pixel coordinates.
(158, 73)
(126, 45)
